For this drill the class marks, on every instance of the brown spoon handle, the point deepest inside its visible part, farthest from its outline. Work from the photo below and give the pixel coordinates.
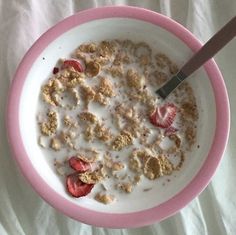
(219, 40)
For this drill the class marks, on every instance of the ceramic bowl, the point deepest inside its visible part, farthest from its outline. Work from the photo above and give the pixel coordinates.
(136, 24)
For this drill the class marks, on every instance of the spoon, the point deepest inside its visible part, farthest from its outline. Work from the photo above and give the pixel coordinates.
(212, 46)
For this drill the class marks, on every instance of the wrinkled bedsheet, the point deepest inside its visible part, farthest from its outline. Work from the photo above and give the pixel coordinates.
(23, 212)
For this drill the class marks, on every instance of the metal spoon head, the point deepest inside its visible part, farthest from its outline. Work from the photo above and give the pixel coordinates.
(171, 85)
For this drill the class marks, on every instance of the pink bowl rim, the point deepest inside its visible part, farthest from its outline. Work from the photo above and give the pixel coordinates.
(113, 220)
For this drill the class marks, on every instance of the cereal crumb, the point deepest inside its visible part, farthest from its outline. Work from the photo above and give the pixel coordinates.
(125, 187)
(55, 144)
(104, 198)
(42, 142)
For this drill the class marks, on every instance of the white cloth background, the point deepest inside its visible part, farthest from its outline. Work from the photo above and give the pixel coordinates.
(22, 211)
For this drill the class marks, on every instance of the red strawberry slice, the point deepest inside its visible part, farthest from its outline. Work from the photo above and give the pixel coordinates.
(74, 64)
(164, 115)
(79, 165)
(76, 187)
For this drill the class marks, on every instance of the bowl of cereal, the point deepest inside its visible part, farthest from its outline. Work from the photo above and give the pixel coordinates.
(98, 144)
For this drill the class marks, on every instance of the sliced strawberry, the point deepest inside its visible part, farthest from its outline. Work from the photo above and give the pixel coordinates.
(170, 130)
(164, 115)
(79, 165)
(76, 187)
(74, 64)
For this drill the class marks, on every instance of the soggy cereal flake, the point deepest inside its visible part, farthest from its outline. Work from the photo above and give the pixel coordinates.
(106, 48)
(102, 133)
(55, 144)
(152, 168)
(121, 57)
(116, 71)
(122, 140)
(137, 159)
(162, 60)
(181, 161)
(135, 164)
(87, 92)
(88, 159)
(106, 87)
(142, 49)
(88, 155)
(144, 60)
(125, 187)
(89, 134)
(69, 121)
(66, 138)
(189, 110)
(117, 166)
(93, 177)
(173, 68)
(101, 99)
(190, 135)
(166, 165)
(49, 128)
(88, 47)
(134, 80)
(88, 117)
(49, 90)
(92, 69)
(104, 198)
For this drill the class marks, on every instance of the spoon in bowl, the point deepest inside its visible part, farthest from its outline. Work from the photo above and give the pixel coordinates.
(212, 46)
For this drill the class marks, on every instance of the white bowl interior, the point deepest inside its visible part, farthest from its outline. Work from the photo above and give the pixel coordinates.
(117, 28)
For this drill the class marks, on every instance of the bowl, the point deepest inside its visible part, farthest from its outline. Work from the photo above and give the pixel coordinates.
(120, 22)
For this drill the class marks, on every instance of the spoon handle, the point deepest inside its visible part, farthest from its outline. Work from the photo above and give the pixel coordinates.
(213, 45)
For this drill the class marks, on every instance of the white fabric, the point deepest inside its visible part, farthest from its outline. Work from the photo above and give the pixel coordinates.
(22, 211)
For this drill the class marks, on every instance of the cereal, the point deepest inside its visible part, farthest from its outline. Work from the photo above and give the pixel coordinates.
(88, 48)
(152, 168)
(55, 144)
(88, 117)
(104, 198)
(88, 93)
(50, 90)
(69, 121)
(105, 87)
(93, 177)
(50, 127)
(116, 71)
(122, 140)
(100, 98)
(102, 133)
(99, 112)
(125, 187)
(134, 80)
(92, 69)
